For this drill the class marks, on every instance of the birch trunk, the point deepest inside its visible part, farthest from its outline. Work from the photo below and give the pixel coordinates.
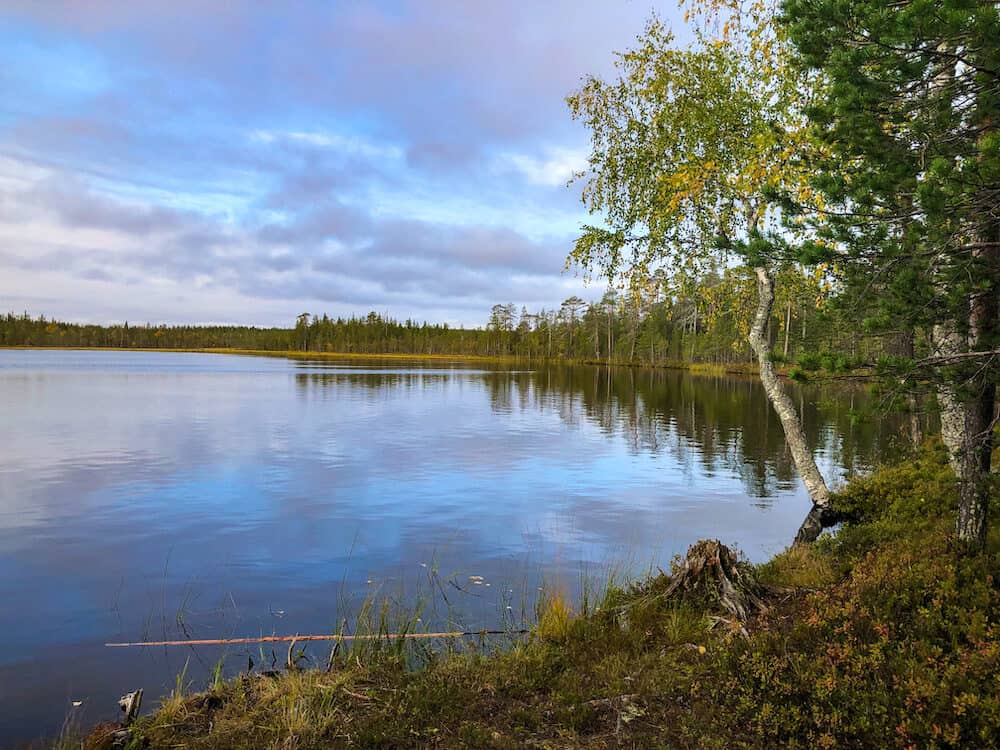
(967, 419)
(977, 447)
(794, 435)
(968, 399)
(912, 402)
(974, 468)
(948, 342)
(788, 326)
(966, 429)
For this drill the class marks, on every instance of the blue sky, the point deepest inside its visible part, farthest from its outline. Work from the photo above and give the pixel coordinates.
(245, 161)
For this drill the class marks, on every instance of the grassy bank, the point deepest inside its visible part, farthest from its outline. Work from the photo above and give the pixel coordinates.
(879, 636)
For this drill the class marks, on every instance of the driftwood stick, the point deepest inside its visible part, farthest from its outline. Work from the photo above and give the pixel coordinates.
(331, 637)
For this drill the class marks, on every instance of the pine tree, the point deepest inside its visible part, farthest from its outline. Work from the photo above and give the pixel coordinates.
(909, 116)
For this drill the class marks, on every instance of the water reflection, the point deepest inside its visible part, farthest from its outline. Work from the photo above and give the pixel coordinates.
(159, 495)
(723, 424)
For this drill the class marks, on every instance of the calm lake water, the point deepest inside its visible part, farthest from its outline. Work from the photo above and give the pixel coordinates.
(146, 496)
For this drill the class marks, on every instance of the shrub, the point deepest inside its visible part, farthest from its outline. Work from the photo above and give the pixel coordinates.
(809, 361)
(906, 492)
(829, 361)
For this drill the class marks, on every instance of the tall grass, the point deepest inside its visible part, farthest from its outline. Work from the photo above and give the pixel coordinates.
(706, 368)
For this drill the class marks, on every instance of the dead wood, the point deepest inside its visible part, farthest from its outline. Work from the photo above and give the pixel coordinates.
(712, 571)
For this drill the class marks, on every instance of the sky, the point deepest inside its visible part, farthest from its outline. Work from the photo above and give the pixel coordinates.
(242, 161)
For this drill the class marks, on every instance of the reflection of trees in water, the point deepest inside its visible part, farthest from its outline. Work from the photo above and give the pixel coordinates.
(719, 424)
(327, 384)
(725, 424)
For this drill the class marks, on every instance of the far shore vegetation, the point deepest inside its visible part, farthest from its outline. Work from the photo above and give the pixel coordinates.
(704, 328)
(695, 368)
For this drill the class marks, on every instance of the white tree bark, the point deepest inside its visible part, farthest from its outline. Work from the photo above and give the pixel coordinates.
(966, 429)
(967, 412)
(794, 435)
(947, 342)
(968, 401)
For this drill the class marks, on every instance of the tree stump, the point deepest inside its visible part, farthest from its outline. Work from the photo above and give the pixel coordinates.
(130, 703)
(116, 735)
(713, 571)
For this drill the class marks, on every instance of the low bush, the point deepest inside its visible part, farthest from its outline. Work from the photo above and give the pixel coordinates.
(809, 361)
(832, 362)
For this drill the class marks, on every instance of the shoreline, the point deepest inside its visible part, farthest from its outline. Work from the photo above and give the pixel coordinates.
(706, 369)
(872, 637)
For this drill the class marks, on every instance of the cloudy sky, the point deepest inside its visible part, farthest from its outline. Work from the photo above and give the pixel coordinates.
(244, 161)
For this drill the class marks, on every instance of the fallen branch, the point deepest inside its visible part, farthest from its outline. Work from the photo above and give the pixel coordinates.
(943, 359)
(610, 702)
(331, 637)
(359, 696)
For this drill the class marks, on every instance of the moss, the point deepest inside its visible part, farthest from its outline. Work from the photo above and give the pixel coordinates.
(800, 566)
(880, 636)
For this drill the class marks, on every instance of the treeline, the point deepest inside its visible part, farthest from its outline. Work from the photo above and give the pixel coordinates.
(705, 323)
(23, 330)
(372, 334)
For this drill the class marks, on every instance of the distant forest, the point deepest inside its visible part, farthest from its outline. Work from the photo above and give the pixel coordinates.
(707, 323)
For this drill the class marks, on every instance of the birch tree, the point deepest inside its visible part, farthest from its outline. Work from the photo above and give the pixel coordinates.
(692, 149)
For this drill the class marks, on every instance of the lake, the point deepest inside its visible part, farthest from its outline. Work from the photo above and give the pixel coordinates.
(156, 495)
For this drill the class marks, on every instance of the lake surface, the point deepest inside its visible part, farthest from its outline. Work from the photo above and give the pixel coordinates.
(151, 496)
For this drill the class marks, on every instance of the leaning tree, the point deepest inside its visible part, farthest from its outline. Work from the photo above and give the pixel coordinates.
(693, 148)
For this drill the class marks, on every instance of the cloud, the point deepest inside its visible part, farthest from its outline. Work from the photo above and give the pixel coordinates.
(404, 155)
(327, 254)
(355, 145)
(74, 204)
(554, 169)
